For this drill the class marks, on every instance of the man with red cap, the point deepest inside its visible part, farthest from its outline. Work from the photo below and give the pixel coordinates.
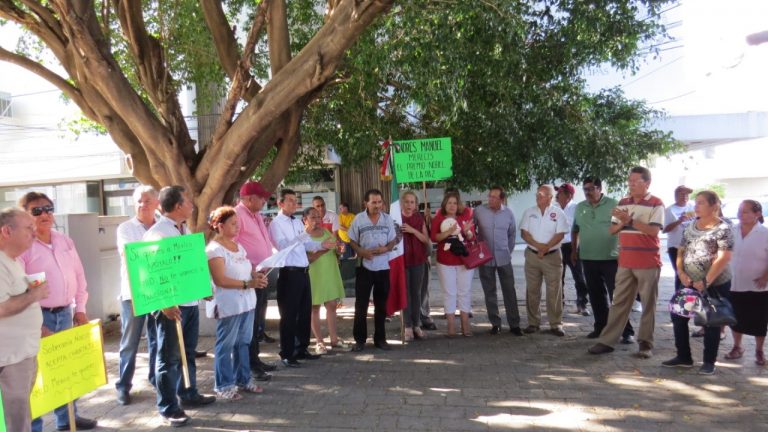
(257, 242)
(564, 198)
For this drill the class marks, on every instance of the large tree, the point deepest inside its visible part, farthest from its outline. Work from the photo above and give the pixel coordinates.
(502, 77)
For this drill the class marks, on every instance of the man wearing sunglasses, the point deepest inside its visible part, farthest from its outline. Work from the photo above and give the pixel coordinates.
(54, 254)
(598, 251)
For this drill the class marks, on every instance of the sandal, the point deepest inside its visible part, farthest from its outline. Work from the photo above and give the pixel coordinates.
(735, 353)
(231, 394)
(251, 387)
(418, 333)
(759, 358)
(320, 349)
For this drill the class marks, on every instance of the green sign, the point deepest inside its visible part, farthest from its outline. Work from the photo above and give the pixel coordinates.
(423, 160)
(167, 272)
(2, 414)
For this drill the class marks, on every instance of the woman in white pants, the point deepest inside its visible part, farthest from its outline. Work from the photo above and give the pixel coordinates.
(453, 224)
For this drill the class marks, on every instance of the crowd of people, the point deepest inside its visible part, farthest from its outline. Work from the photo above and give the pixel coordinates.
(611, 247)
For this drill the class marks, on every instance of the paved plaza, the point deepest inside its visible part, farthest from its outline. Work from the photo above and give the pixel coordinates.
(536, 382)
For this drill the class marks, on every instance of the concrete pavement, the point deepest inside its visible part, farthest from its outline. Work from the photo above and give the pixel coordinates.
(536, 382)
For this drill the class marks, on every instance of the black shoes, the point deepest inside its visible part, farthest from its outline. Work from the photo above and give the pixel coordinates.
(429, 326)
(264, 337)
(516, 331)
(123, 397)
(262, 366)
(200, 354)
(82, 423)
(260, 375)
(383, 345)
(358, 347)
(678, 362)
(495, 330)
(593, 335)
(291, 363)
(599, 348)
(627, 340)
(197, 401)
(177, 419)
(306, 355)
(531, 329)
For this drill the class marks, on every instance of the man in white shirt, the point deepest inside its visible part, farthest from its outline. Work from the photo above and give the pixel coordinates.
(294, 297)
(133, 230)
(679, 215)
(20, 319)
(565, 200)
(177, 208)
(372, 236)
(543, 227)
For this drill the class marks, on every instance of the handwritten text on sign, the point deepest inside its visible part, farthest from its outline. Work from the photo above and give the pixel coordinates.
(70, 364)
(423, 160)
(167, 272)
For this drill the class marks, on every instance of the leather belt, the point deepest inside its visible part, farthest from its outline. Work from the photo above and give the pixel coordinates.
(295, 269)
(54, 310)
(537, 252)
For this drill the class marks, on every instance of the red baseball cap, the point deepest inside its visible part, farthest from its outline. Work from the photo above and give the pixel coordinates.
(254, 188)
(568, 188)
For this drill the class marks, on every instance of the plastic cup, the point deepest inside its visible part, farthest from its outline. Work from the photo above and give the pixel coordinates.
(36, 278)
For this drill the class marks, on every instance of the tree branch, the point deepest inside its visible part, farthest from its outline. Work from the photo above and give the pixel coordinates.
(277, 36)
(38, 69)
(222, 34)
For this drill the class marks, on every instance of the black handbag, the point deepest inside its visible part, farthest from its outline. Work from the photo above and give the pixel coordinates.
(715, 311)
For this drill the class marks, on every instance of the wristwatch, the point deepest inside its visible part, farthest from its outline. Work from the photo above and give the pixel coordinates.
(245, 284)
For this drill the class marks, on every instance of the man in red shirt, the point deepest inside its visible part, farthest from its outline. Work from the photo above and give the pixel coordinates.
(637, 220)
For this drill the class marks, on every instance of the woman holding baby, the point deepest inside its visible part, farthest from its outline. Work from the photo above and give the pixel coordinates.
(451, 225)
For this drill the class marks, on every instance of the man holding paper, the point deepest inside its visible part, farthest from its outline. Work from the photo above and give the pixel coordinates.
(20, 319)
(294, 298)
(177, 208)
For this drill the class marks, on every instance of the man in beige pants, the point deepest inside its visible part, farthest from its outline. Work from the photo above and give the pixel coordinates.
(637, 220)
(543, 227)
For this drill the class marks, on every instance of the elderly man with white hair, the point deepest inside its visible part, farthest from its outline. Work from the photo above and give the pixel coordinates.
(543, 227)
(132, 230)
(20, 319)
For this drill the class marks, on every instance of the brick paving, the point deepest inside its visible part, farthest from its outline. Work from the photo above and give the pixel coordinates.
(536, 382)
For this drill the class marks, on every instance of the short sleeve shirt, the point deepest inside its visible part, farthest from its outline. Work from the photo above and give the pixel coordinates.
(227, 301)
(544, 226)
(369, 235)
(593, 223)
(636, 249)
(20, 333)
(672, 214)
(701, 248)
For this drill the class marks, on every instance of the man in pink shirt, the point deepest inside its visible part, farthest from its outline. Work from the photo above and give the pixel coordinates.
(255, 238)
(54, 254)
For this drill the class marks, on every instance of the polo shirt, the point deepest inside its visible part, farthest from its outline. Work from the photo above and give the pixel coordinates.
(636, 249)
(372, 235)
(544, 226)
(253, 235)
(20, 333)
(593, 223)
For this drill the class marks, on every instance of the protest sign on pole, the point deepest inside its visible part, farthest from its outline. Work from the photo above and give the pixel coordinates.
(167, 272)
(70, 364)
(427, 159)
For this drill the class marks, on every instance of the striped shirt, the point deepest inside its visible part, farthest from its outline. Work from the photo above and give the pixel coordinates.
(636, 249)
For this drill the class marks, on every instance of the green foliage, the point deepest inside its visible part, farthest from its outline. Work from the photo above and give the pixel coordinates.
(717, 188)
(504, 79)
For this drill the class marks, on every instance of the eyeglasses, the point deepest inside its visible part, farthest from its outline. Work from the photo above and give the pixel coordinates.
(588, 189)
(37, 211)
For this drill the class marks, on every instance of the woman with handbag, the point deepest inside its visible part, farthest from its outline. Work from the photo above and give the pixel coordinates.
(702, 263)
(451, 224)
(749, 293)
(416, 245)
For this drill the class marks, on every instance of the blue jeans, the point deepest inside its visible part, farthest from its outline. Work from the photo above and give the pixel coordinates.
(231, 364)
(190, 324)
(711, 334)
(167, 365)
(56, 322)
(132, 327)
